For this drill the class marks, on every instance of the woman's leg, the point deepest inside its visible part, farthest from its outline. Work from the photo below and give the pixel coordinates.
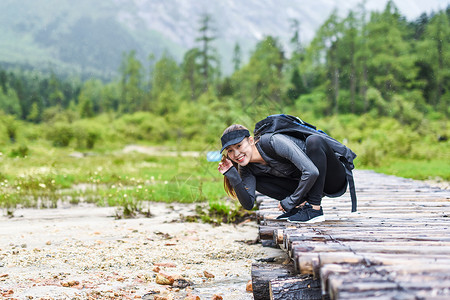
(276, 187)
(332, 176)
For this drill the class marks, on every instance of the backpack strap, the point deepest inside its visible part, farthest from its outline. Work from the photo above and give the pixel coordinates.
(351, 185)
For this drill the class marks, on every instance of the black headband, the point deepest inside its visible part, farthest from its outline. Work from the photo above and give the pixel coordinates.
(233, 137)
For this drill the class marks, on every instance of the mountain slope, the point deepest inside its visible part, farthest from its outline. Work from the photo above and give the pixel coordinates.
(90, 36)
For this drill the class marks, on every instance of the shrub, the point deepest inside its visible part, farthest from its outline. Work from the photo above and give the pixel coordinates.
(60, 134)
(87, 133)
(21, 151)
(10, 126)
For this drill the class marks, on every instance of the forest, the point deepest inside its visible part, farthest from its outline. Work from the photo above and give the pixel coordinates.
(374, 80)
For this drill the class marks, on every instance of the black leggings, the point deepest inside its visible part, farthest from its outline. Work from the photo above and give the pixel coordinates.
(332, 176)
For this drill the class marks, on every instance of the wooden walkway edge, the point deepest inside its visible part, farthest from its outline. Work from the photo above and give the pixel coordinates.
(396, 246)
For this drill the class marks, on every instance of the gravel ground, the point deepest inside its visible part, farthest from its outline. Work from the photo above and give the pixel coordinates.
(82, 252)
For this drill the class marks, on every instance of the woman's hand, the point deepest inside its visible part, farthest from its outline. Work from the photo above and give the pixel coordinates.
(224, 165)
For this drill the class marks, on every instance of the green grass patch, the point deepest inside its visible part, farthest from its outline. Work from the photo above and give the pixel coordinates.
(417, 169)
(126, 180)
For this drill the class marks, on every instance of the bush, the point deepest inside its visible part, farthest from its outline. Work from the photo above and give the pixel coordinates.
(87, 133)
(315, 103)
(10, 126)
(144, 126)
(60, 134)
(21, 151)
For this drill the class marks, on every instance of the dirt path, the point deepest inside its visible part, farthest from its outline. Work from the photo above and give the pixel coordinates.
(82, 252)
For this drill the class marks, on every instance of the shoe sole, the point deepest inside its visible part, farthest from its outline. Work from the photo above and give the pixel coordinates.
(313, 220)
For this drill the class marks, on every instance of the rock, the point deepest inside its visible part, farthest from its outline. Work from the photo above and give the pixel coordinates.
(192, 297)
(181, 283)
(70, 283)
(217, 297)
(208, 275)
(48, 243)
(74, 282)
(249, 287)
(168, 265)
(156, 269)
(76, 155)
(164, 279)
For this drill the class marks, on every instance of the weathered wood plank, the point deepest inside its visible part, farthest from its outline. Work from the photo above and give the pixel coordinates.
(266, 232)
(361, 277)
(380, 247)
(339, 285)
(263, 273)
(299, 287)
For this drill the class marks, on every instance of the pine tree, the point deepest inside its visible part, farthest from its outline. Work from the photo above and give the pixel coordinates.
(362, 56)
(237, 57)
(327, 43)
(434, 51)
(391, 65)
(207, 54)
(263, 74)
(166, 77)
(131, 80)
(347, 56)
(191, 74)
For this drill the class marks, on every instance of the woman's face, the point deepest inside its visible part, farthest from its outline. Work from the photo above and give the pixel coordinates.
(240, 153)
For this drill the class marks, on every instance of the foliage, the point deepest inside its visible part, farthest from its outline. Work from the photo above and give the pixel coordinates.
(357, 64)
(60, 134)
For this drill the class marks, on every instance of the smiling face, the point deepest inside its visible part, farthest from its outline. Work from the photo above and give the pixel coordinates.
(241, 153)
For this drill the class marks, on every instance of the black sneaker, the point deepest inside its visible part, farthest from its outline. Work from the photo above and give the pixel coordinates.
(307, 215)
(295, 210)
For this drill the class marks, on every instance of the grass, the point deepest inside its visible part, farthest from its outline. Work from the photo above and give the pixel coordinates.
(126, 180)
(417, 169)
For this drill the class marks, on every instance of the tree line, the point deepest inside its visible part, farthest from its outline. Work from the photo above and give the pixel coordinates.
(367, 62)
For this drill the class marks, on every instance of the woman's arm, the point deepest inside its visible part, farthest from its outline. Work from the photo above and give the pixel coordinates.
(288, 149)
(244, 187)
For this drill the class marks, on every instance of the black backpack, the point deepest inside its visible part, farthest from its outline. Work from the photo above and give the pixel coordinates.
(298, 128)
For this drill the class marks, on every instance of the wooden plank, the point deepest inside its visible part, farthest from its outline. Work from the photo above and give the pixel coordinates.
(311, 263)
(263, 273)
(356, 221)
(407, 276)
(380, 247)
(294, 288)
(340, 285)
(266, 232)
(397, 238)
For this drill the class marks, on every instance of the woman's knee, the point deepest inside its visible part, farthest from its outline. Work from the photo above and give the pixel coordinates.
(314, 143)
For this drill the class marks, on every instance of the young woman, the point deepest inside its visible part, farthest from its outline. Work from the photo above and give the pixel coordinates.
(299, 176)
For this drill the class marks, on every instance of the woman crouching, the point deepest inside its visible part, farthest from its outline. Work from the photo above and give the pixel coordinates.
(298, 175)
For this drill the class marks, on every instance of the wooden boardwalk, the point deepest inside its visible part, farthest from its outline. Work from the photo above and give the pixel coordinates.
(396, 246)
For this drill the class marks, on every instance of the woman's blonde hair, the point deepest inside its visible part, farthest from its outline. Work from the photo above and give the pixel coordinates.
(226, 183)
